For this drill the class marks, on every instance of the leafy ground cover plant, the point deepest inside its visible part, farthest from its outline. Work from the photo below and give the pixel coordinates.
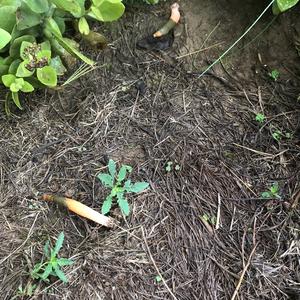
(52, 265)
(119, 187)
(33, 48)
(260, 118)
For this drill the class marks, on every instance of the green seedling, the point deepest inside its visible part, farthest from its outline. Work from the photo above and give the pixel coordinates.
(169, 167)
(209, 219)
(158, 279)
(272, 193)
(119, 187)
(277, 135)
(274, 74)
(52, 265)
(260, 118)
(27, 291)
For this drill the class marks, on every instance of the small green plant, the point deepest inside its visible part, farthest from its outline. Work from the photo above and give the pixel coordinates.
(158, 279)
(169, 166)
(209, 219)
(52, 265)
(27, 291)
(280, 6)
(273, 192)
(119, 187)
(33, 48)
(260, 118)
(274, 74)
(277, 135)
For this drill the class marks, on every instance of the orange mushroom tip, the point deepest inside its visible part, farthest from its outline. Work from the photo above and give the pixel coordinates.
(80, 209)
(174, 19)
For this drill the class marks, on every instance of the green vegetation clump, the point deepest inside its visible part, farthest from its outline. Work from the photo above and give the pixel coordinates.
(33, 48)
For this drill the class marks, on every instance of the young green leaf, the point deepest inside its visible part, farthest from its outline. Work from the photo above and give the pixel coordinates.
(22, 71)
(15, 97)
(106, 179)
(8, 79)
(83, 26)
(112, 168)
(274, 188)
(128, 185)
(139, 186)
(106, 206)
(71, 6)
(58, 244)
(266, 195)
(107, 10)
(27, 87)
(47, 76)
(47, 271)
(123, 204)
(123, 172)
(14, 50)
(64, 262)
(38, 6)
(60, 274)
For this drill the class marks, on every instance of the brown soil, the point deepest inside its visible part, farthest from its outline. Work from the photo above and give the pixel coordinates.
(145, 109)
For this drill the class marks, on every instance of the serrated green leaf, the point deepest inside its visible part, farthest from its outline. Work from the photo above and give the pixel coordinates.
(106, 206)
(112, 168)
(83, 26)
(123, 172)
(5, 38)
(60, 274)
(123, 204)
(46, 272)
(58, 244)
(38, 6)
(47, 76)
(64, 262)
(139, 186)
(105, 179)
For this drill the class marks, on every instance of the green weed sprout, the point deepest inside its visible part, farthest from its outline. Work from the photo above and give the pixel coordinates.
(52, 266)
(274, 74)
(273, 192)
(260, 118)
(119, 187)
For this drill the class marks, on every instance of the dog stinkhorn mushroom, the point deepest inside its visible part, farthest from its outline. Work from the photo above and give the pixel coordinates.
(80, 209)
(164, 37)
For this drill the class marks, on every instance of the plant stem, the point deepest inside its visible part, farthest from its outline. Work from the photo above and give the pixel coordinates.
(237, 41)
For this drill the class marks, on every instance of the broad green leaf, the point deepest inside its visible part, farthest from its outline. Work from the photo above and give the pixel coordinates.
(107, 10)
(52, 26)
(23, 47)
(60, 23)
(123, 204)
(106, 179)
(8, 79)
(139, 186)
(280, 6)
(5, 38)
(58, 244)
(60, 274)
(3, 71)
(47, 76)
(14, 50)
(7, 17)
(266, 195)
(71, 6)
(45, 45)
(15, 97)
(64, 262)
(112, 168)
(38, 6)
(47, 272)
(57, 64)
(14, 87)
(27, 87)
(83, 26)
(27, 18)
(14, 66)
(274, 188)
(22, 71)
(106, 206)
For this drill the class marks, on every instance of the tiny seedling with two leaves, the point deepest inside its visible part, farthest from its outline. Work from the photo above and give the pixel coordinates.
(119, 187)
(273, 192)
(52, 266)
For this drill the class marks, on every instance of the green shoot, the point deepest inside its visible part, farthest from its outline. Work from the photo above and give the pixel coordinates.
(169, 166)
(277, 135)
(119, 187)
(27, 291)
(52, 266)
(158, 279)
(273, 192)
(260, 118)
(274, 74)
